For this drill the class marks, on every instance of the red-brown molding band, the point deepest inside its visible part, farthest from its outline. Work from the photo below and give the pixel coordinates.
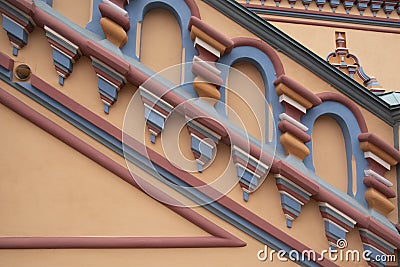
(265, 48)
(322, 195)
(384, 189)
(113, 242)
(333, 25)
(381, 144)
(208, 75)
(25, 24)
(24, 5)
(298, 88)
(69, 139)
(212, 32)
(6, 62)
(194, 9)
(120, 3)
(285, 126)
(109, 12)
(328, 96)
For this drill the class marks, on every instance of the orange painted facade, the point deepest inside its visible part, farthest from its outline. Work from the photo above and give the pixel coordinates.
(199, 133)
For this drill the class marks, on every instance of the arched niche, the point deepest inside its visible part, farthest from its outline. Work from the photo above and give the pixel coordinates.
(161, 49)
(266, 69)
(245, 99)
(182, 10)
(330, 159)
(350, 126)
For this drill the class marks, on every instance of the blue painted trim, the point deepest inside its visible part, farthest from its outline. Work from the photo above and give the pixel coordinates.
(350, 129)
(15, 30)
(334, 231)
(264, 65)
(49, 2)
(6, 73)
(137, 11)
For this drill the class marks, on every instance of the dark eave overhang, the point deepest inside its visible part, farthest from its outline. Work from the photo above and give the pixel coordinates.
(291, 48)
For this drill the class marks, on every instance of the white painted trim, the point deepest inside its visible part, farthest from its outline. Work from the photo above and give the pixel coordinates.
(206, 46)
(153, 132)
(206, 65)
(59, 50)
(190, 120)
(292, 102)
(154, 110)
(293, 184)
(337, 225)
(202, 141)
(293, 197)
(48, 29)
(108, 68)
(378, 237)
(284, 116)
(25, 30)
(329, 206)
(247, 169)
(158, 99)
(123, 12)
(378, 177)
(371, 155)
(259, 162)
(108, 81)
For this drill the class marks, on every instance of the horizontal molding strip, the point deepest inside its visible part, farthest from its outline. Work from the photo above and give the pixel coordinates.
(219, 238)
(332, 25)
(321, 15)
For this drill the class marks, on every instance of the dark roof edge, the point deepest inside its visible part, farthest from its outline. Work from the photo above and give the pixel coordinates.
(288, 46)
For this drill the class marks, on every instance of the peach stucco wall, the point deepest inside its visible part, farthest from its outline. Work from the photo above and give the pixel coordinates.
(127, 209)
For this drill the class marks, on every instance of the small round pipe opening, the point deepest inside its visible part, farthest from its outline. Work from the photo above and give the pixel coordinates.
(22, 72)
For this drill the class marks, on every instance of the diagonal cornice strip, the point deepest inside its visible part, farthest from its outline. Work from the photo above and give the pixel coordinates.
(322, 15)
(254, 225)
(219, 238)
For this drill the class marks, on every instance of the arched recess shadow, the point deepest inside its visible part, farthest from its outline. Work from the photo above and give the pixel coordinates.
(182, 10)
(351, 122)
(267, 62)
(161, 49)
(245, 99)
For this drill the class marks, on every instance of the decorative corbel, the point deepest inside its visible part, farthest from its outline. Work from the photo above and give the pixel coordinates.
(336, 223)
(296, 100)
(115, 21)
(211, 45)
(250, 170)
(109, 82)
(156, 111)
(380, 157)
(293, 197)
(65, 53)
(17, 23)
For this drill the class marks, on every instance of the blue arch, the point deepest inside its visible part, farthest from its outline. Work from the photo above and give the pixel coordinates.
(264, 65)
(350, 129)
(137, 10)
